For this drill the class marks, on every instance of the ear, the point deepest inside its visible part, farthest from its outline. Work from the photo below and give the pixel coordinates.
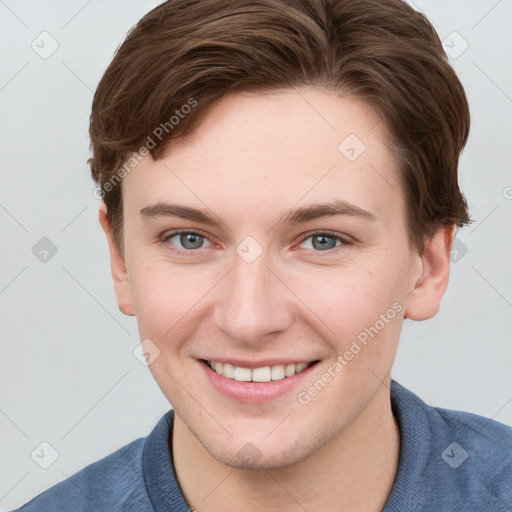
(119, 272)
(424, 301)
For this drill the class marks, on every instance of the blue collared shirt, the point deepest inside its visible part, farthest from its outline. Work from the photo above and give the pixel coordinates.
(449, 461)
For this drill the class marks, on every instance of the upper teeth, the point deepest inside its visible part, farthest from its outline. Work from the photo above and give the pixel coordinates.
(263, 374)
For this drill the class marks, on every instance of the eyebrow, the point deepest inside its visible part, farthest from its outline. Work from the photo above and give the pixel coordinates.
(293, 216)
(315, 211)
(183, 212)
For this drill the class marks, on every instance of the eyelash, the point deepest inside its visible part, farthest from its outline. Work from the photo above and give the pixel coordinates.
(190, 252)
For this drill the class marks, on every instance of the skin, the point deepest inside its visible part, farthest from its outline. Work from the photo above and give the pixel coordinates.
(252, 158)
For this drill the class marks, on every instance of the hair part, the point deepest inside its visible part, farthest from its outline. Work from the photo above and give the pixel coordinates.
(382, 51)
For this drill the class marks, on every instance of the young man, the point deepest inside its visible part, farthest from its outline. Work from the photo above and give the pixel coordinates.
(279, 184)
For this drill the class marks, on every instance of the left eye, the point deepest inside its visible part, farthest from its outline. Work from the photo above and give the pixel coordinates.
(188, 240)
(323, 241)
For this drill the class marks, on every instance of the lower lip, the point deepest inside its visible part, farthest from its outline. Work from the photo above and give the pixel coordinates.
(254, 392)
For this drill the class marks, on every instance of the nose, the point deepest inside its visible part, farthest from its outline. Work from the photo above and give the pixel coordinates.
(254, 303)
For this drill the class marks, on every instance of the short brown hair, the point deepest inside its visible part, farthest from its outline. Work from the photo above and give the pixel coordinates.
(383, 51)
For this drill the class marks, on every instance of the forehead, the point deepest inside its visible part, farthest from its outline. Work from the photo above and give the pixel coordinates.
(304, 145)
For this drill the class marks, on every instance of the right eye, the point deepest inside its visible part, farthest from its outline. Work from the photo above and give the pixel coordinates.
(184, 242)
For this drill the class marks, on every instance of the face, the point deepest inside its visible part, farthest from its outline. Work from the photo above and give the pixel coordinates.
(274, 235)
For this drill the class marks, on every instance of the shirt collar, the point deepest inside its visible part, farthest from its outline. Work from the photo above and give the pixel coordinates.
(415, 447)
(162, 484)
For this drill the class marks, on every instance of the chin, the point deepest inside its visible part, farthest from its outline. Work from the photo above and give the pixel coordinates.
(260, 456)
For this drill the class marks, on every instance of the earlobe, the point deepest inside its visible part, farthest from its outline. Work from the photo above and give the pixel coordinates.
(117, 266)
(424, 300)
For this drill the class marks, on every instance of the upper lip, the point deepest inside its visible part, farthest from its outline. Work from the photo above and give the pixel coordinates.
(243, 363)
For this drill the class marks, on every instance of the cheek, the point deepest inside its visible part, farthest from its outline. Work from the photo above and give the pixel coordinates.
(166, 296)
(351, 296)
(359, 308)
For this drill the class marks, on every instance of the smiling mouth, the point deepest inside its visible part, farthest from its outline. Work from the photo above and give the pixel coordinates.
(262, 374)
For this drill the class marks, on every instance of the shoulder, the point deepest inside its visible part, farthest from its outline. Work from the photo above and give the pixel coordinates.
(458, 458)
(107, 484)
(479, 450)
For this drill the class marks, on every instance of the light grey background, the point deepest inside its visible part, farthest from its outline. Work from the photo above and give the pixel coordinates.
(68, 373)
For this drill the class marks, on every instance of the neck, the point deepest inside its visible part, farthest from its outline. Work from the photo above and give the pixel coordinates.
(354, 471)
